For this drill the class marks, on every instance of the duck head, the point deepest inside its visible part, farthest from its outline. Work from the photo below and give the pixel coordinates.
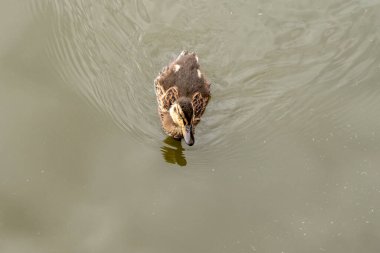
(182, 114)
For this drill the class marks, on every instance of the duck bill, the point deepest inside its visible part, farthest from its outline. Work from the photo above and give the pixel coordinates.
(187, 132)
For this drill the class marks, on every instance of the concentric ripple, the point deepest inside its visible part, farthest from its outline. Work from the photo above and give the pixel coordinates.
(265, 64)
(97, 46)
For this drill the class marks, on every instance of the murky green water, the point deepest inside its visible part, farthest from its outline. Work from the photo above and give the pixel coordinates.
(287, 157)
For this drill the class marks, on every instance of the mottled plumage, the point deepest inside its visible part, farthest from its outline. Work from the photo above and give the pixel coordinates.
(182, 94)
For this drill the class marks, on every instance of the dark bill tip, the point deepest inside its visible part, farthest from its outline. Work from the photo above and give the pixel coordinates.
(188, 135)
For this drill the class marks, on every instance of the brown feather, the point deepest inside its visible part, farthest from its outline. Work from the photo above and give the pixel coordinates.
(181, 81)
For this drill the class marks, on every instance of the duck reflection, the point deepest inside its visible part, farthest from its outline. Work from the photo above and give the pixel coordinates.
(173, 152)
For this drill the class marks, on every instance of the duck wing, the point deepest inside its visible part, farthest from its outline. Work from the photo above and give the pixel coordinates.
(199, 103)
(165, 98)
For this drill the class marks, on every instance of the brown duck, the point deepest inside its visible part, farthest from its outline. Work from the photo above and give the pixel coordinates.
(182, 94)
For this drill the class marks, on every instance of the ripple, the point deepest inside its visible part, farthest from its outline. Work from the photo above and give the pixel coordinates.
(96, 45)
(264, 69)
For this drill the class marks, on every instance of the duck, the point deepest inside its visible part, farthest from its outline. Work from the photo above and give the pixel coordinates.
(183, 93)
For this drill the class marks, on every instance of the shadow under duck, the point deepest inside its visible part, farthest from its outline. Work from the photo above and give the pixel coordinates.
(182, 95)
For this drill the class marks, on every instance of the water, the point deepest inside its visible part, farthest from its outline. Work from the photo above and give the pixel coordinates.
(286, 158)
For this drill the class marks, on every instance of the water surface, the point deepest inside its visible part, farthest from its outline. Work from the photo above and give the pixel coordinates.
(286, 157)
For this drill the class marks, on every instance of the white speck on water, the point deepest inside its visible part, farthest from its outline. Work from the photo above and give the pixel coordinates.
(27, 180)
(260, 13)
(213, 170)
(252, 248)
(332, 222)
(42, 171)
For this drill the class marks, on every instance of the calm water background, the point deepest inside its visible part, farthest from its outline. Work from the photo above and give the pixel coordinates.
(287, 157)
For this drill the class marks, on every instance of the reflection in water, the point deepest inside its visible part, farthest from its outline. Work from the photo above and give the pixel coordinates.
(174, 152)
